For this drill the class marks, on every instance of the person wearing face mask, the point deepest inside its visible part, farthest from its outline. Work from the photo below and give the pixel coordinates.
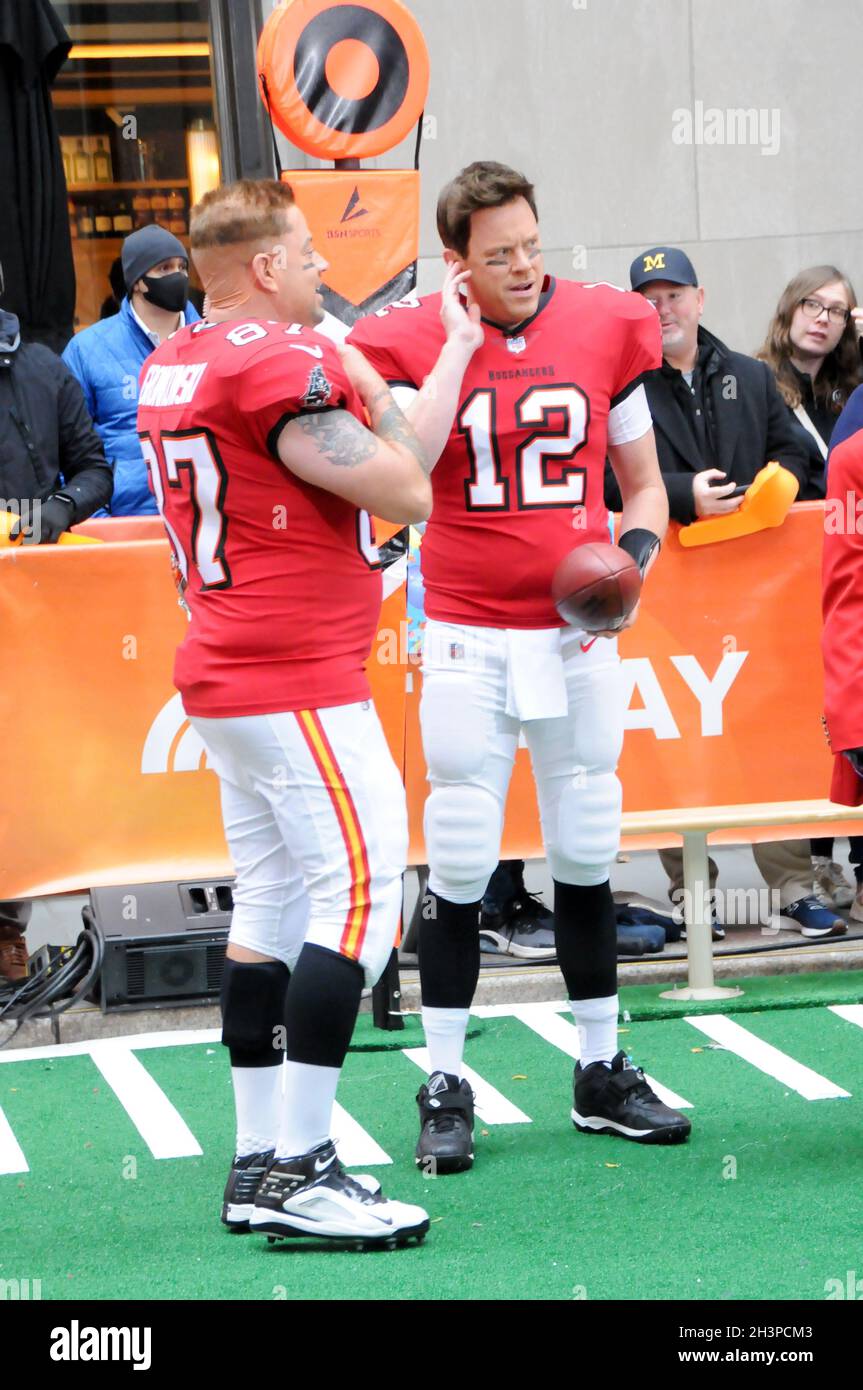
(108, 356)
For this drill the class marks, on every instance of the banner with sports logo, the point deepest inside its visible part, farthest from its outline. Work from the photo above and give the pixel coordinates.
(366, 225)
(105, 782)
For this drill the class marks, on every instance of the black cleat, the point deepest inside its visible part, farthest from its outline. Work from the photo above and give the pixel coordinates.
(245, 1178)
(619, 1101)
(312, 1195)
(446, 1125)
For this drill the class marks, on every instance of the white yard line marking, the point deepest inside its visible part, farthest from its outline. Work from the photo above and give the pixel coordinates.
(134, 1042)
(765, 1057)
(355, 1147)
(162, 1128)
(852, 1013)
(491, 1106)
(545, 1020)
(12, 1158)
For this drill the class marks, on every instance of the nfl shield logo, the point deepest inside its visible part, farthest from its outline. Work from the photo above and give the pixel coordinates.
(516, 344)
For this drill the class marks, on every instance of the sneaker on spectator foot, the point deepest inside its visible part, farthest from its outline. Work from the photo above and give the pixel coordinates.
(856, 913)
(813, 919)
(312, 1195)
(832, 888)
(617, 1099)
(246, 1175)
(445, 1144)
(513, 921)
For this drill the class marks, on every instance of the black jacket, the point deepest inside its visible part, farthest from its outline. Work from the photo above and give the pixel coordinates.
(746, 419)
(47, 439)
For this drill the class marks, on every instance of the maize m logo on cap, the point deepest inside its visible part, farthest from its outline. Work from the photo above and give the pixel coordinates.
(738, 125)
(654, 262)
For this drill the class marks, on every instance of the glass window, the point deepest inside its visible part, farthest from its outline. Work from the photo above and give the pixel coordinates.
(135, 111)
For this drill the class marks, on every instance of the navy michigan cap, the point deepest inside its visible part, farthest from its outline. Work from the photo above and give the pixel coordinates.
(662, 263)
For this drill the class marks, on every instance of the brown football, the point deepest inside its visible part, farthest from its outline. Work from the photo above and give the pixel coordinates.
(596, 586)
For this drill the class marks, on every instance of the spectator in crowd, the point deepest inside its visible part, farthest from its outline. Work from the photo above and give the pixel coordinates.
(813, 349)
(718, 419)
(717, 415)
(107, 357)
(52, 473)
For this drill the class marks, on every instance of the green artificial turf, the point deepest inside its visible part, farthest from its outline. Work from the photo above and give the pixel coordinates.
(761, 992)
(764, 1201)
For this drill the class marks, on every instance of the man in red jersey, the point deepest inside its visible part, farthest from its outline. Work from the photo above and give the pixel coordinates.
(555, 386)
(264, 472)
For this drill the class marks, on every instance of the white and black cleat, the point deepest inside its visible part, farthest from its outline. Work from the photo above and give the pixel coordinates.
(313, 1196)
(246, 1175)
(618, 1100)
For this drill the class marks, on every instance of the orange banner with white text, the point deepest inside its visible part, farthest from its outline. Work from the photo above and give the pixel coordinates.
(105, 782)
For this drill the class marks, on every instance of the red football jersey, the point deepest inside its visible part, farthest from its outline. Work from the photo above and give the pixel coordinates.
(282, 578)
(520, 481)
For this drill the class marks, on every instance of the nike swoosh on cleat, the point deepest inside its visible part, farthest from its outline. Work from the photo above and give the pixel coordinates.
(319, 1167)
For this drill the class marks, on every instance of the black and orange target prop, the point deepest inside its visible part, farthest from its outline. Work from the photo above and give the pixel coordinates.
(343, 79)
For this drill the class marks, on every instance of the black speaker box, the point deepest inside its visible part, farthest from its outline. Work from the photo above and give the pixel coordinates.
(164, 942)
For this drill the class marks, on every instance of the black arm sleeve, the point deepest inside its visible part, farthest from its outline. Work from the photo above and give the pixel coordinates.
(87, 476)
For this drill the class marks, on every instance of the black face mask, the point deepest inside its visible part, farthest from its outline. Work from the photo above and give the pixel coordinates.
(167, 291)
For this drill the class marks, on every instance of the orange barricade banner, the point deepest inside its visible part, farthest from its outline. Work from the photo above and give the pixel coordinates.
(105, 782)
(724, 668)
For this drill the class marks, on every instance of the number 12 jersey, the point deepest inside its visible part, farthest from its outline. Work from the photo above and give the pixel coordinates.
(520, 482)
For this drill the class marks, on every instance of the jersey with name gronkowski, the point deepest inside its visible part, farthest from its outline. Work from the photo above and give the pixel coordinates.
(281, 578)
(520, 481)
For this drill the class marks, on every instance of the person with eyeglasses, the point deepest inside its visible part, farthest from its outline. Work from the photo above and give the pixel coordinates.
(813, 349)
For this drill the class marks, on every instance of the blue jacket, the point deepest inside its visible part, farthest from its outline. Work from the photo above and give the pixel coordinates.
(107, 359)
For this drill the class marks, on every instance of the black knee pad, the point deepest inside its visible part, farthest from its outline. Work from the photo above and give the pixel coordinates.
(253, 1008)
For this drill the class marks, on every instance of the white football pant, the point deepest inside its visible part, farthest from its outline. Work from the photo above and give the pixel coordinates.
(481, 687)
(316, 822)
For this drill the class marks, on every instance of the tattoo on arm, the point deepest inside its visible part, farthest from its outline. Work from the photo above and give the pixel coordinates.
(339, 436)
(391, 424)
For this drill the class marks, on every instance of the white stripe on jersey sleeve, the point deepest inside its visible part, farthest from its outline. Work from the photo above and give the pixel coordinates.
(631, 419)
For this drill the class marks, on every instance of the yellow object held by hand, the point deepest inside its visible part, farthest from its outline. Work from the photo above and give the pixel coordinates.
(766, 502)
(9, 520)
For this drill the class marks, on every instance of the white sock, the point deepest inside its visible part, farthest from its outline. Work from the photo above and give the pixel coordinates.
(596, 1020)
(307, 1109)
(445, 1031)
(258, 1100)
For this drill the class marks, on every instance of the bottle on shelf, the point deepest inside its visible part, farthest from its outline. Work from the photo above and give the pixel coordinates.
(159, 202)
(122, 219)
(176, 201)
(86, 224)
(104, 222)
(82, 166)
(68, 163)
(102, 168)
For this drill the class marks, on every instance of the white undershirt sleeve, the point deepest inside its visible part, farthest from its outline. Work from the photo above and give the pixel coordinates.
(630, 419)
